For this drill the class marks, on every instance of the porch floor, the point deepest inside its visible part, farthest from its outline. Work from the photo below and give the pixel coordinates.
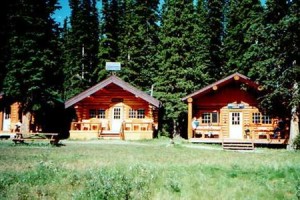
(255, 141)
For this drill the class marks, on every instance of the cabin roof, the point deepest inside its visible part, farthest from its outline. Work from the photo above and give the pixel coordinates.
(233, 77)
(117, 81)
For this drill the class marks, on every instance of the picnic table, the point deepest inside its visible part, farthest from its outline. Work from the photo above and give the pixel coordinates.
(21, 137)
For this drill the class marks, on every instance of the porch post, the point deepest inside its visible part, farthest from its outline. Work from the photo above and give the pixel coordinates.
(190, 113)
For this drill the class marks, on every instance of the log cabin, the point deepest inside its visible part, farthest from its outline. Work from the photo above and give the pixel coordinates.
(13, 121)
(229, 110)
(9, 114)
(113, 109)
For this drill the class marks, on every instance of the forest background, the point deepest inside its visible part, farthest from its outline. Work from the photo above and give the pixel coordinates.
(176, 47)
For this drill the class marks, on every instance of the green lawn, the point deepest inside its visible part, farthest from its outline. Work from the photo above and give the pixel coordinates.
(145, 170)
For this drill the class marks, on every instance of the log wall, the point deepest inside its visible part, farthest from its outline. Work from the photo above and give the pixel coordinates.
(218, 100)
(111, 96)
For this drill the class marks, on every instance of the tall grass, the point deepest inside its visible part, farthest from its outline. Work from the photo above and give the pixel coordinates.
(145, 170)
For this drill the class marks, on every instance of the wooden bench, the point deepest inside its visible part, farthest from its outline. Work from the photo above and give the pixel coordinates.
(208, 131)
(51, 137)
(263, 132)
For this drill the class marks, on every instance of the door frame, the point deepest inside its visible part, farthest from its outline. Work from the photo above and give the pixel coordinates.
(6, 119)
(236, 129)
(116, 123)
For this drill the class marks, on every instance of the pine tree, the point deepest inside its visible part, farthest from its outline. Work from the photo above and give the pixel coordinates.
(33, 76)
(33, 52)
(179, 70)
(138, 42)
(241, 18)
(216, 30)
(4, 39)
(110, 32)
(200, 42)
(278, 53)
(81, 67)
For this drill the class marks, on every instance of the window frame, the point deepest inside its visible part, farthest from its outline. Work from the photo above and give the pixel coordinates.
(101, 113)
(97, 113)
(137, 113)
(210, 117)
(92, 113)
(261, 118)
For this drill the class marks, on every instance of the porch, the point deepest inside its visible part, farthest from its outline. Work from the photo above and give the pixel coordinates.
(103, 129)
(254, 141)
(263, 135)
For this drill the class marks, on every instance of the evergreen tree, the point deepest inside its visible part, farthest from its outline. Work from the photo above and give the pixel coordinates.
(200, 42)
(110, 32)
(4, 39)
(138, 42)
(276, 64)
(81, 66)
(216, 30)
(242, 16)
(179, 71)
(33, 52)
(33, 77)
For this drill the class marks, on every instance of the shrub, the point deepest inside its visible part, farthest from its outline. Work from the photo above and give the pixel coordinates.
(296, 142)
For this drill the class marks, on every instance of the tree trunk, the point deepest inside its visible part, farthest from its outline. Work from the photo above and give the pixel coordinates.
(26, 122)
(294, 128)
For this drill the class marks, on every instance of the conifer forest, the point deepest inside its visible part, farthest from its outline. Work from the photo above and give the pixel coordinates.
(173, 46)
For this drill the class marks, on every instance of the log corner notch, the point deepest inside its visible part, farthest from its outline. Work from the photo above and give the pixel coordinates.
(190, 113)
(236, 77)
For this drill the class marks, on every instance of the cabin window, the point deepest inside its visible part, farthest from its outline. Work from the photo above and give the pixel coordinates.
(266, 119)
(117, 113)
(101, 113)
(139, 114)
(235, 118)
(208, 118)
(132, 113)
(214, 117)
(93, 113)
(256, 118)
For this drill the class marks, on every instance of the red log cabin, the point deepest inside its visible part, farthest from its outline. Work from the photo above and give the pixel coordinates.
(113, 109)
(228, 109)
(10, 117)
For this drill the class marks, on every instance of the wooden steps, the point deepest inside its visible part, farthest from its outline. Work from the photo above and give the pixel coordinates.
(237, 145)
(109, 135)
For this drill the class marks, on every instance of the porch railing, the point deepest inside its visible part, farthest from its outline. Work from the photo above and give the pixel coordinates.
(138, 126)
(87, 125)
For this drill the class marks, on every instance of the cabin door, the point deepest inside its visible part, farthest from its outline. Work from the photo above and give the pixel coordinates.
(6, 119)
(117, 118)
(235, 126)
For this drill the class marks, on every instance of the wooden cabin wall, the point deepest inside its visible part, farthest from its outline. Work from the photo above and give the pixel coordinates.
(247, 117)
(155, 116)
(109, 97)
(218, 100)
(14, 115)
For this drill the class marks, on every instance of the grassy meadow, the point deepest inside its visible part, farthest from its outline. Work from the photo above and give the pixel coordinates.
(145, 170)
